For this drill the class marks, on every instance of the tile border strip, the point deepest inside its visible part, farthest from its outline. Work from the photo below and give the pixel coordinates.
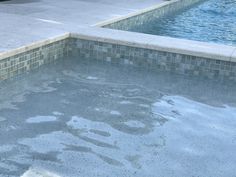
(34, 45)
(118, 53)
(233, 56)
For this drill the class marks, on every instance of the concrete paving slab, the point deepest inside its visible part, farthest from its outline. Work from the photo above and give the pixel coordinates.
(27, 21)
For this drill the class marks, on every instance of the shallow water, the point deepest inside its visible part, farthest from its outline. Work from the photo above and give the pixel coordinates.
(75, 118)
(211, 21)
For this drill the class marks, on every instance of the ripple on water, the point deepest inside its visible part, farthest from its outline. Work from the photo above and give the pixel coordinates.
(135, 124)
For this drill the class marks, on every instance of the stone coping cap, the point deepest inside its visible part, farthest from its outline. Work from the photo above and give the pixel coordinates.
(161, 43)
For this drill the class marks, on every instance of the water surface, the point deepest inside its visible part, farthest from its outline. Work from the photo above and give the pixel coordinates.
(75, 118)
(211, 21)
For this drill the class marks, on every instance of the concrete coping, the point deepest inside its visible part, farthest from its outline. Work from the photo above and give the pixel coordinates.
(32, 46)
(160, 43)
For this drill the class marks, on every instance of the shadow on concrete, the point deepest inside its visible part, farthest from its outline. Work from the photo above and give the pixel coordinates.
(18, 1)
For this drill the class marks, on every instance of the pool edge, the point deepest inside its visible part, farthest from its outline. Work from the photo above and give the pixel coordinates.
(157, 11)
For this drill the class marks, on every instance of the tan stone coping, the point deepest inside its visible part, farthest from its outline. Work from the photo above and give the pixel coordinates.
(160, 43)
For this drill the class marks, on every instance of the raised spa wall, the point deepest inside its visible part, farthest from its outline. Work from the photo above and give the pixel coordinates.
(16, 62)
(154, 59)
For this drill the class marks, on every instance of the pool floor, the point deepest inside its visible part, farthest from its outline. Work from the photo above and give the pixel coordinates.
(85, 118)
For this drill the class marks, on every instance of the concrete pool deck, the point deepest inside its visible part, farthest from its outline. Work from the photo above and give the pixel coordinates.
(27, 21)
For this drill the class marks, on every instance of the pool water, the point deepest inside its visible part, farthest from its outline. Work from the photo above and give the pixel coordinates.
(75, 118)
(211, 21)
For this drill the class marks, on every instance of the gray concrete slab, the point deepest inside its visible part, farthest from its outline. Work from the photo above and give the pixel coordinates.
(27, 21)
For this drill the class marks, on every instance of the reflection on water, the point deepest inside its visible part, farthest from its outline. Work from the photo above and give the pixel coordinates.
(96, 119)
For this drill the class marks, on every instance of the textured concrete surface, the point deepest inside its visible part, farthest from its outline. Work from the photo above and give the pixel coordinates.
(27, 21)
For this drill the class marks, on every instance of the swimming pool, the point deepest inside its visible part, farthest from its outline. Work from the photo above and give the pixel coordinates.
(81, 117)
(210, 21)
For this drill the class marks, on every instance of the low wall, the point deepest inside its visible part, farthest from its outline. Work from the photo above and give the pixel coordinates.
(196, 63)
